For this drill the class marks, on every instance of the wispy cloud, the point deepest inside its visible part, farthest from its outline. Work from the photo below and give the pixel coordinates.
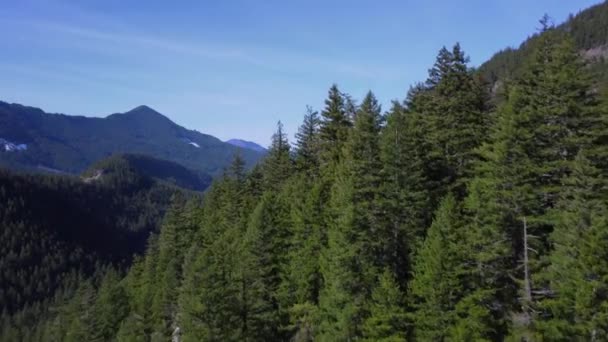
(132, 40)
(94, 29)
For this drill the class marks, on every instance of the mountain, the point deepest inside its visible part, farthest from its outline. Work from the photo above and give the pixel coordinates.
(35, 140)
(589, 31)
(57, 228)
(246, 144)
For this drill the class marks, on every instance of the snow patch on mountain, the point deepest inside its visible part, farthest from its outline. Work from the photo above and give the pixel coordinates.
(190, 142)
(9, 146)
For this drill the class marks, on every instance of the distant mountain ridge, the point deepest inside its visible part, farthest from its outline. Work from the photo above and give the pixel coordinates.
(246, 144)
(72, 143)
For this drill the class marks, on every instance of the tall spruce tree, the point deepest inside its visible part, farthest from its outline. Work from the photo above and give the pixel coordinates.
(453, 105)
(303, 279)
(277, 165)
(307, 142)
(435, 288)
(263, 263)
(334, 128)
(387, 318)
(353, 254)
(405, 186)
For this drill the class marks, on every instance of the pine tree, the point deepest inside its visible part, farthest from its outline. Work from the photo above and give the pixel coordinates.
(277, 165)
(307, 142)
(364, 166)
(578, 238)
(307, 239)
(387, 318)
(334, 128)
(262, 268)
(338, 308)
(481, 311)
(209, 298)
(435, 288)
(353, 254)
(209, 303)
(591, 300)
(110, 308)
(452, 103)
(405, 186)
(237, 168)
(562, 117)
(78, 317)
(563, 108)
(176, 234)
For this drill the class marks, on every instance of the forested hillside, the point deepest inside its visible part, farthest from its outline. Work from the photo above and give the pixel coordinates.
(445, 218)
(589, 33)
(119, 167)
(57, 229)
(69, 144)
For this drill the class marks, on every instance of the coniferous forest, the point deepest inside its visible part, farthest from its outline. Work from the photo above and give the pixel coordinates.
(464, 212)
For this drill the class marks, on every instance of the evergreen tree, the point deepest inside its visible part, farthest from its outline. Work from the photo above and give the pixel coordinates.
(335, 124)
(574, 309)
(435, 287)
(307, 239)
(174, 239)
(209, 303)
(307, 142)
(209, 298)
(337, 306)
(110, 308)
(353, 254)
(77, 321)
(277, 165)
(262, 269)
(363, 165)
(405, 188)
(387, 318)
(482, 311)
(554, 94)
(452, 103)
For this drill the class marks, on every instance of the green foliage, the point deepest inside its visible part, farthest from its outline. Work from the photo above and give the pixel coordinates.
(110, 308)
(387, 318)
(436, 287)
(307, 142)
(278, 165)
(335, 124)
(137, 168)
(576, 271)
(405, 187)
(452, 102)
(54, 227)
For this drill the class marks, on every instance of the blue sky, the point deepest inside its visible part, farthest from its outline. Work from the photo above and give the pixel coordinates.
(234, 68)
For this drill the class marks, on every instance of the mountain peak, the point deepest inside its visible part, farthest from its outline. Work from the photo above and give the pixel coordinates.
(146, 113)
(143, 109)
